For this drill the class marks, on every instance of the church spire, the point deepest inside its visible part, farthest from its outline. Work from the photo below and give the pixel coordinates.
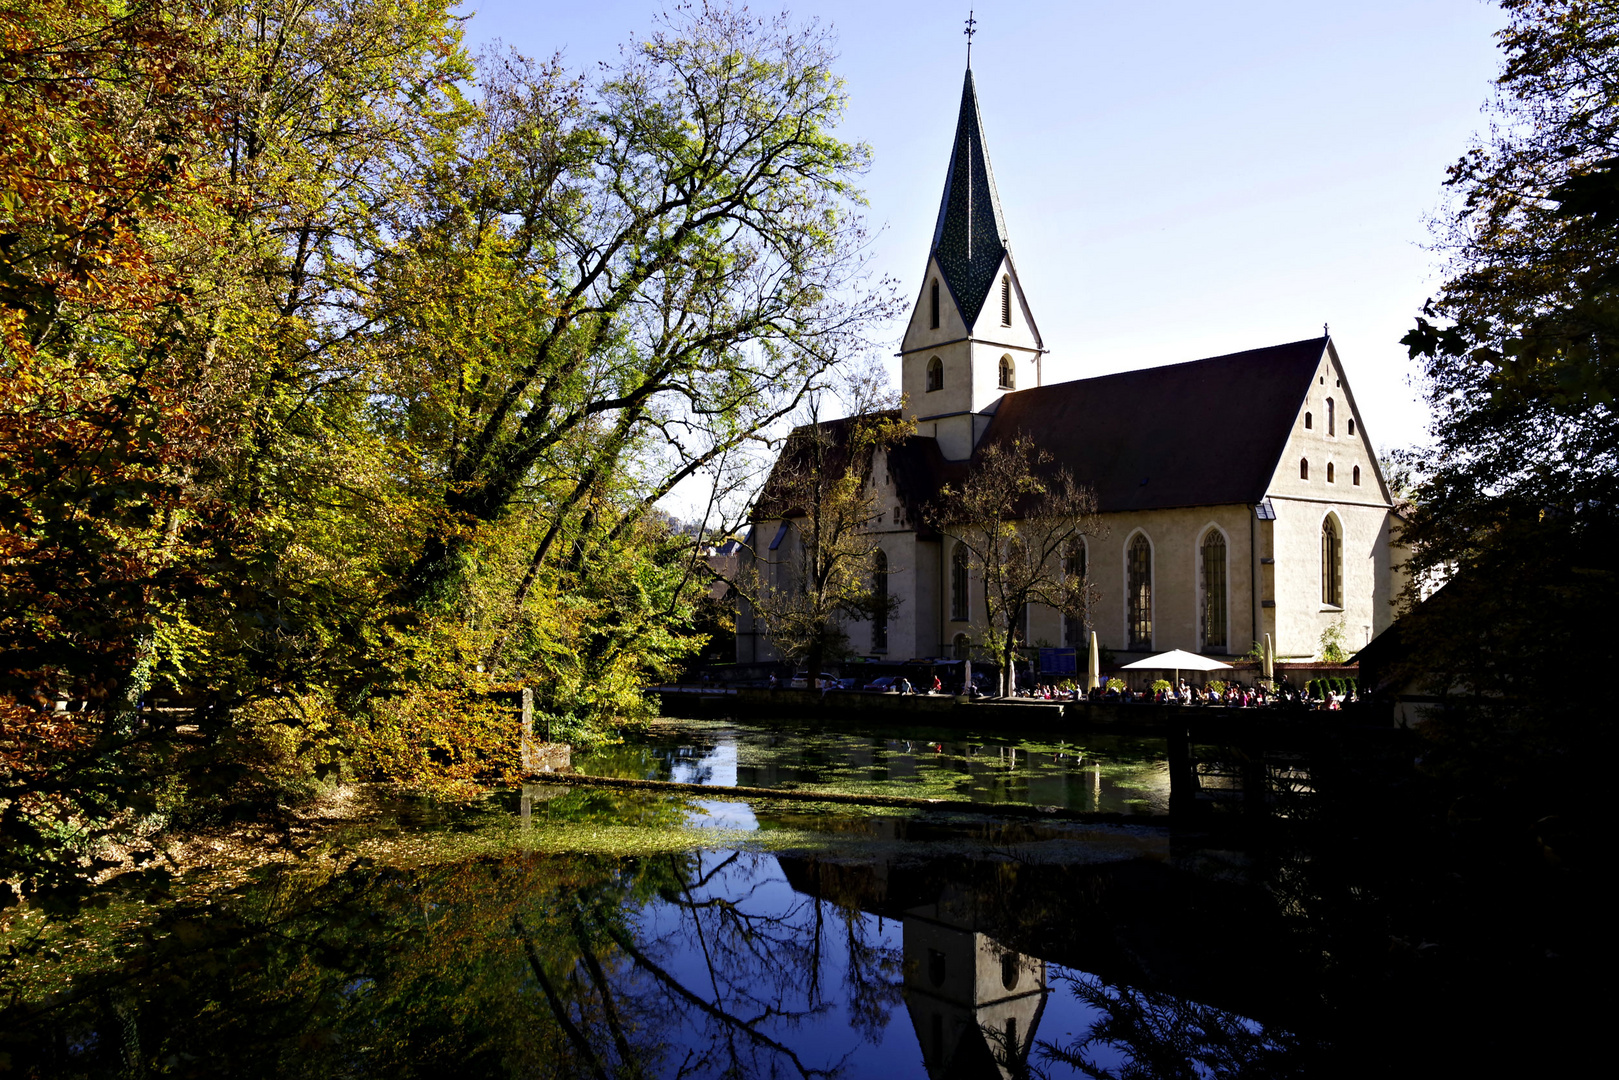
(970, 237)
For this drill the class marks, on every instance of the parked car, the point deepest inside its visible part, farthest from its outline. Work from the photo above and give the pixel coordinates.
(801, 680)
(884, 684)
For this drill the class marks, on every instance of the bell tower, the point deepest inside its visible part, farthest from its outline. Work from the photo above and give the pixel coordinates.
(971, 338)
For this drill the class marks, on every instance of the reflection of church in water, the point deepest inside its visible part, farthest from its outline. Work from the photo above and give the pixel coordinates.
(975, 1003)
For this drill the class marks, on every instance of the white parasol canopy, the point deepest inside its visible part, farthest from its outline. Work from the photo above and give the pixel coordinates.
(1176, 660)
(1094, 668)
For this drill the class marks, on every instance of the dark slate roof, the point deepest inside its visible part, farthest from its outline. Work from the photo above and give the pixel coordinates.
(918, 468)
(970, 236)
(1205, 433)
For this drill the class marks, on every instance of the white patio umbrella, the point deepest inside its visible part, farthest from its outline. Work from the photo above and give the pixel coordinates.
(1176, 660)
(1095, 667)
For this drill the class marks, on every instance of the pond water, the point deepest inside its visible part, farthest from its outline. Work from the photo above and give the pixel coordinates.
(1096, 773)
(565, 931)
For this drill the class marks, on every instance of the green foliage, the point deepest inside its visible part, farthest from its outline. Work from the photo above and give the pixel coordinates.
(1161, 684)
(1217, 685)
(1115, 683)
(1517, 499)
(338, 375)
(1332, 643)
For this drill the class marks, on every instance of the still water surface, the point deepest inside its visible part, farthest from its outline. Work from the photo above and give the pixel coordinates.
(569, 932)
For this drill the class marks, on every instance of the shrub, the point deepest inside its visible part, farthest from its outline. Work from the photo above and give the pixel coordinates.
(1115, 683)
(1217, 685)
(1160, 684)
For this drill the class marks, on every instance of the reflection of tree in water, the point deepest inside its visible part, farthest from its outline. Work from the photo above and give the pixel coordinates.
(545, 966)
(1160, 1037)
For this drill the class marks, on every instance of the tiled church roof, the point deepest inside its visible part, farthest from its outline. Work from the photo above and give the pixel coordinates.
(1204, 433)
(970, 236)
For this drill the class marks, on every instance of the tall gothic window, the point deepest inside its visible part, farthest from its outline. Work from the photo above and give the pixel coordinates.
(1332, 426)
(933, 305)
(1140, 595)
(1332, 562)
(935, 374)
(879, 602)
(1006, 300)
(1008, 374)
(1074, 568)
(1214, 590)
(958, 584)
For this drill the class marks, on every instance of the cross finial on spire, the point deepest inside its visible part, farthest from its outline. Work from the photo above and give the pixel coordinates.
(1326, 331)
(972, 24)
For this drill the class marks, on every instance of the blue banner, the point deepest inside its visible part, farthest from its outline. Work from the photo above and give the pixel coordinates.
(1059, 661)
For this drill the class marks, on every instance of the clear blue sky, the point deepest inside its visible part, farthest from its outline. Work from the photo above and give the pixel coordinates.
(1180, 179)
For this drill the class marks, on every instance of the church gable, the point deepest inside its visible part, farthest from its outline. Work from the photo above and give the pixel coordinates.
(1328, 454)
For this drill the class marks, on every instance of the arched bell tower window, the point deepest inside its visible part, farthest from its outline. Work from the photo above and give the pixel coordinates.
(879, 602)
(1214, 590)
(1008, 374)
(958, 584)
(1332, 426)
(935, 375)
(1138, 567)
(1309, 420)
(1330, 471)
(1332, 562)
(933, 306)
(1304, 468)
(1355, 476)
(1006, 300)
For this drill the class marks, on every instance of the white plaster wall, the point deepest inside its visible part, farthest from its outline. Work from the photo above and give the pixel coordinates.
(1176, 536)
(1367, 576)
(1370, 564)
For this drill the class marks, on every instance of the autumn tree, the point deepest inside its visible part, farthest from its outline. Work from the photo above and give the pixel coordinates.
(805, 585)
(1518, 490)
(1019, 516)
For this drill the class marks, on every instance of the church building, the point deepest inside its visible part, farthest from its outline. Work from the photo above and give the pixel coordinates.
(1240, 494)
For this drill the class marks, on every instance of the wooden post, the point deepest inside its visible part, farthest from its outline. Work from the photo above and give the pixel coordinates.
(1182, 771)
(526, 731)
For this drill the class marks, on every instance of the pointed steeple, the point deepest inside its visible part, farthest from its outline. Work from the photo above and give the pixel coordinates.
(970, 237)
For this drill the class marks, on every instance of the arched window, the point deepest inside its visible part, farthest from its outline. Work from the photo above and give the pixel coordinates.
(1309, 420)
(1355, 476)
(1214, 590)
(1351, 425)
(1139, 576)
(1008, 374)
(958, 584)
(1304, 468)
(1332, 562)
(1074, 569)
(1330, 473)
(1006, 300)
(879, 602)
(935, 374)
(933, 305)
(962, 647)
(1332, 427)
